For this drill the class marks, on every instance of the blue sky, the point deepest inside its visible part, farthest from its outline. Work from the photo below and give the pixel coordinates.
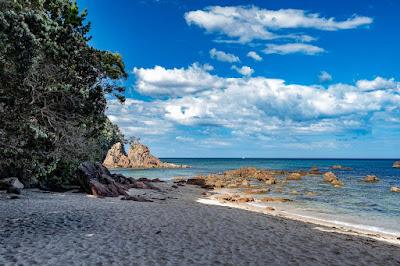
(256, 78)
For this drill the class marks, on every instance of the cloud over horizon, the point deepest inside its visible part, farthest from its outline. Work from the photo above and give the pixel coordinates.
(257, 107)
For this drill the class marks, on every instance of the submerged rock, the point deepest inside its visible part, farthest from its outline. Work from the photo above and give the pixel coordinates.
(371, 179)
(395, 189)
(270, 199)
(396, 164)
(139, 156)
(315, 171)
(341, 167)
(294, 176)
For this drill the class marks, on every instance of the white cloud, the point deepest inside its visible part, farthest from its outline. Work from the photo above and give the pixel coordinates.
(159, 81)
(222, 56)
(291, 48)
(254, 55)
(247, 23)
(378, 83)
(244, 70)
(324, 76)
(258, 106)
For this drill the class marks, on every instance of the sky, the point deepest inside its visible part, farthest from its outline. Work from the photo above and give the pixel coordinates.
(271, 79)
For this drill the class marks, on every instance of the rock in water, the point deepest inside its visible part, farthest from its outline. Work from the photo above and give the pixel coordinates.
(12, 185)
(395, 189)
(371, 179)
(116, 157)
(330, 177)
(139, 156)
(396, 164)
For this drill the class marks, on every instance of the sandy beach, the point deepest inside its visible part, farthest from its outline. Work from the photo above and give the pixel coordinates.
(175, 229)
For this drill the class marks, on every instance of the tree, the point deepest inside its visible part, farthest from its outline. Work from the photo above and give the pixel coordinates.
(53, 88)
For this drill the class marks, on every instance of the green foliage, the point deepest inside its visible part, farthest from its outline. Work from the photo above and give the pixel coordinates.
(53, 88)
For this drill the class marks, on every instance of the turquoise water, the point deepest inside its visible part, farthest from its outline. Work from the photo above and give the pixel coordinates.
(370, 205)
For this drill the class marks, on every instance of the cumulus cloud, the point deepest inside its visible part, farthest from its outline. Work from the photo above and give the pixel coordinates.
(222, 56)
(324, 76)
(254, 55)
(247, 23)
(378, 83)
(291, 48)
(159, 81)
(244, 70)
(258, 106)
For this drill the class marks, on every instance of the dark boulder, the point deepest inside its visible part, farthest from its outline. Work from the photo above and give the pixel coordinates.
(97, 180)
(11, 185)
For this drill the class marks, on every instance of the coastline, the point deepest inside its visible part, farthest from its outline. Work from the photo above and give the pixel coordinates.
(74, 228)
(283, 211)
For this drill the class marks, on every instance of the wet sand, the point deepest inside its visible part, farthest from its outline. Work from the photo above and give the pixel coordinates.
(175, 229)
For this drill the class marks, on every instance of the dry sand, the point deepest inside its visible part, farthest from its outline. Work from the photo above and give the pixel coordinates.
(175, 229)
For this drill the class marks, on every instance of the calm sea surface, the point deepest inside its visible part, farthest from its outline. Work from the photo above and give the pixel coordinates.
(368, 206)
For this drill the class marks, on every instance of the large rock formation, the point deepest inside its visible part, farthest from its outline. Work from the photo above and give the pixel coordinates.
(396, 164)
(139, 156)
(116, 157)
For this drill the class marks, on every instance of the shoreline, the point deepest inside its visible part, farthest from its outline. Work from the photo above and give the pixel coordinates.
(335, 226)
(47, 228)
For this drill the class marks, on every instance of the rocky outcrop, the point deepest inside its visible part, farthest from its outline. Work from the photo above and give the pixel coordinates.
(116, 157)
(371, 179)
(139, 156)
(294, 176)
(330, 177)
(12, 185)
(95, 179)
(396, 164)
(395, 189)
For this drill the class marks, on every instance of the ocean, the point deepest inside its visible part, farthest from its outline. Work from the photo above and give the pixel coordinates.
(359, 205)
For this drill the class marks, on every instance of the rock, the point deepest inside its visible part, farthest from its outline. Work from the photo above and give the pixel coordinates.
(270, 208)
(315, 171)
(341, 167)
(244, 199)
(13, 197)
(256, 191)
(330, 177)
(371, 179)
(294, 176)
(270, 199)
(395, 189)
(174, 186)
(245, 183)
(136, 198)
(116, 157)
(396, 164)
(14, 190)
(196, 181)
(311, 193)
(294, 192)
(95, 179)
(271, 181)
(12, 185)
(139, 156)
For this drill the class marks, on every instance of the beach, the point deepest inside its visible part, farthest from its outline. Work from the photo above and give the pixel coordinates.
(175, 229)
